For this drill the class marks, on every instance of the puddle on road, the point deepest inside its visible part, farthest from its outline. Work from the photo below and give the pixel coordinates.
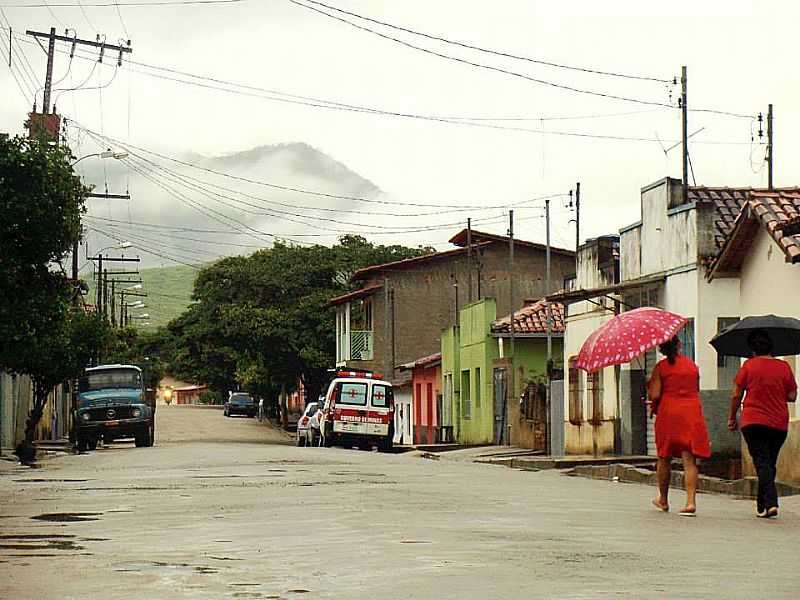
(415, 542)
(35, 536)
(224, 558)
(68, 517)
(159, 565)
(52, 480)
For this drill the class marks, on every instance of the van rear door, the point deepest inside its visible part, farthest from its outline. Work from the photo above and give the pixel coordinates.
(381, 409)
(351, 408)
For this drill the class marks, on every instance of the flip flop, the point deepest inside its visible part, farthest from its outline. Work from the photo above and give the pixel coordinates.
(659, 506)
(688, 513)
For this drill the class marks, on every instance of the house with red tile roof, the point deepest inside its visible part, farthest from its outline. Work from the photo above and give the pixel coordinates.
(679, 257)
(761, 254)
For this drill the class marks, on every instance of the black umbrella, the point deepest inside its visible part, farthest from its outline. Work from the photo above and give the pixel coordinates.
(783, 331)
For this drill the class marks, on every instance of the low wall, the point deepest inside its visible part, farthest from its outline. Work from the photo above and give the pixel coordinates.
(788, 461)
(716, 405)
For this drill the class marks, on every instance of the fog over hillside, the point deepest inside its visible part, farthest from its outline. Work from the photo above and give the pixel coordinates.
(188, 214)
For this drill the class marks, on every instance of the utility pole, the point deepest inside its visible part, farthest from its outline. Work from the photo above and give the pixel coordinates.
(51, 51)
(99, 302)
(102, 291)
(113, 311)
(577, 222)
(685, 134)
(511, 301)
(469, 261)
(552, 421)
(770, 147)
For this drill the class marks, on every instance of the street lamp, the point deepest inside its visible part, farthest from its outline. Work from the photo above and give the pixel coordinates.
(117, 246)
(138, 286)
(105, 154)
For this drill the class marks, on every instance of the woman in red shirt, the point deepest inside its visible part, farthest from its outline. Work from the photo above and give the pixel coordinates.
(768, 384)
(680, 428)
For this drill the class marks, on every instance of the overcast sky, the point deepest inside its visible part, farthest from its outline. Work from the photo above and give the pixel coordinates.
(740, 56)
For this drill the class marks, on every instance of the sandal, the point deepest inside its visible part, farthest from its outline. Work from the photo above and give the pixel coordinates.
(688, 512)
(657, 503)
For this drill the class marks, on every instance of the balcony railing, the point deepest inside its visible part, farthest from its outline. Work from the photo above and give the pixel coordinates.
(361, 345)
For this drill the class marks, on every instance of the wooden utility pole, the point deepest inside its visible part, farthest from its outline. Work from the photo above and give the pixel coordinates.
(469, 261)
(770, 147)
(685, 134)
(577, 223)
(511, 301)
(51, 51)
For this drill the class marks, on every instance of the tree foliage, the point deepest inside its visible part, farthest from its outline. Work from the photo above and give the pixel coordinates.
(41, 201)
(261, 322)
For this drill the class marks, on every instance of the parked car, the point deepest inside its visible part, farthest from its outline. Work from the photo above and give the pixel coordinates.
(240, 403)
(358, 411)
(303, 425)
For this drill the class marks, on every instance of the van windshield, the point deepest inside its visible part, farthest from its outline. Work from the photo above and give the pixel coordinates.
(110, 379)
(354, 394)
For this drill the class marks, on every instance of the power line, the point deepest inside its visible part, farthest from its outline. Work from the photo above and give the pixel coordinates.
(110, 4)
(484, 66)
(467, 121)
(494, 52)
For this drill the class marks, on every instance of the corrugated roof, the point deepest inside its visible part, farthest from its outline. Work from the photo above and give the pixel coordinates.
(532, 319)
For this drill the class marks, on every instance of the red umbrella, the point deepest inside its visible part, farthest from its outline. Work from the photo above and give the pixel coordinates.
(627, 336)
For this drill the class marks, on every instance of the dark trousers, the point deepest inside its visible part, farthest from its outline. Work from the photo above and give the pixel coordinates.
(764, 444)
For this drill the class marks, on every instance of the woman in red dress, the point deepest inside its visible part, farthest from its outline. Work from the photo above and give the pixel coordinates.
(674, 391)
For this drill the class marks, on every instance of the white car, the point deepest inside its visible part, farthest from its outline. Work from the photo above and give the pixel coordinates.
(303, 429)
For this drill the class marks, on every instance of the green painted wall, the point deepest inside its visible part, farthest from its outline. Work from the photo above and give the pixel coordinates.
(468, 354)
(476, 351)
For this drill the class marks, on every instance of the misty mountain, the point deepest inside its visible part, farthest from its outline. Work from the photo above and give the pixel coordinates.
(192, 214)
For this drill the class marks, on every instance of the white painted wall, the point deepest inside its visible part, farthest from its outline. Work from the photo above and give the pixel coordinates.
(770, 285)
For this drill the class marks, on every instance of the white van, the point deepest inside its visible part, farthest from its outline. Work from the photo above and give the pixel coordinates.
(358, 411)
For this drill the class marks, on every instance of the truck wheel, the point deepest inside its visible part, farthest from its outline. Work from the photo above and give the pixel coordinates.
(81, 444)
(143, 438)
(152, 439)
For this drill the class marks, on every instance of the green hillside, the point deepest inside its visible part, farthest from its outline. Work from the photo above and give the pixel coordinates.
(168, 289)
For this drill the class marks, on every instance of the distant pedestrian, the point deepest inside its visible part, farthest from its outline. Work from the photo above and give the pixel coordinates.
(680, 427)
(767, 384)
(261, 409)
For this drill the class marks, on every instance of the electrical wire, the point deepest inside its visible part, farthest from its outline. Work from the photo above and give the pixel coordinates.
(468, 121)
(202, 183)
(478, 65)
(494, 52)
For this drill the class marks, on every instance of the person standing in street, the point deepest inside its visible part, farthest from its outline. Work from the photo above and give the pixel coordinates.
(680, 428)
(767, 384)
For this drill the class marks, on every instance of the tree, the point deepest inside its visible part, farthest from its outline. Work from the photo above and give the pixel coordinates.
(261, 321)
(41, 201)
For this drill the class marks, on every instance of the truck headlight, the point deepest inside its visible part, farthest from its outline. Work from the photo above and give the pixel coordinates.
(136, 413)
(85, 416)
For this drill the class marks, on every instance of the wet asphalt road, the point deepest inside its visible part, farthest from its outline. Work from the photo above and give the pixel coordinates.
(227, 508)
